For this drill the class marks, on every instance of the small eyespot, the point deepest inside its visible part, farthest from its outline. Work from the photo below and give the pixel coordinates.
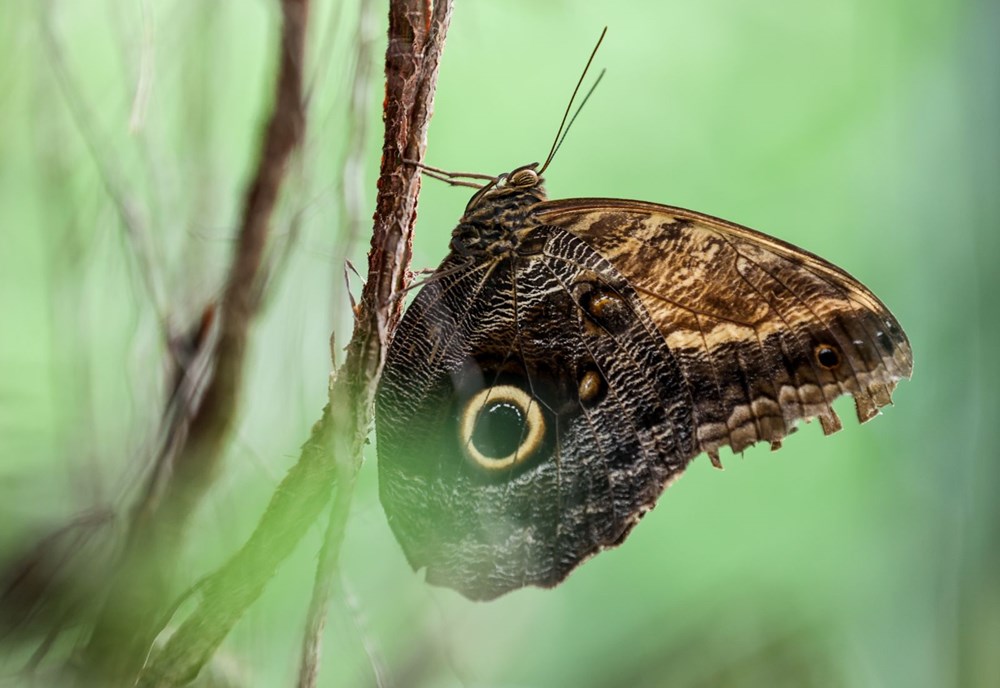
(827, 356)
(525, 177)
(501, 427)
(591, 387)
(604, 306)
(885, 341)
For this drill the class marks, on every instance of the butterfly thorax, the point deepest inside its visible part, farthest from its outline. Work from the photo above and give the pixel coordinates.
(498, 219)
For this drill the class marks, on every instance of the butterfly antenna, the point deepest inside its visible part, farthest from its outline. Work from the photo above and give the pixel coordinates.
(569, 106)
(573, 118)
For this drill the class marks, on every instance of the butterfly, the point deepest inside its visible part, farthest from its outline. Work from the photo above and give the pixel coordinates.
(569, 358)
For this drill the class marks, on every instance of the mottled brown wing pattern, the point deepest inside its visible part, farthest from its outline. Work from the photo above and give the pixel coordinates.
(561, 336)
(766, 334)
(569, 358)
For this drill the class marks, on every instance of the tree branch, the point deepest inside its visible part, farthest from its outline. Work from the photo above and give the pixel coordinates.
(332, 455)
(199, 423)
(352, 184)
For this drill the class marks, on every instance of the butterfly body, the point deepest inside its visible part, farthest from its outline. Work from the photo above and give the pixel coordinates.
(569, 358)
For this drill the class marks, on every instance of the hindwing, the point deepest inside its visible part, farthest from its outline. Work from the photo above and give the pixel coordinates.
(557, 339)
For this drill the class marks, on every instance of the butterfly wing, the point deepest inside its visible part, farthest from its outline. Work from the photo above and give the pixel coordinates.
(528, 416)
(766, 334)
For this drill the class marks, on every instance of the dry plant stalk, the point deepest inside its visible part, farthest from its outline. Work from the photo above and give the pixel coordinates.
(332, 454)
(200, 429)
(354, 220)
(198, 423)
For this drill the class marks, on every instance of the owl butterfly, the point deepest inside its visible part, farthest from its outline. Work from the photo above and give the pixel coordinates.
(569, 358)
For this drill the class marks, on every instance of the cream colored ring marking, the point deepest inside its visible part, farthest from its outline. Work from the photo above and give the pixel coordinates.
(532, 436)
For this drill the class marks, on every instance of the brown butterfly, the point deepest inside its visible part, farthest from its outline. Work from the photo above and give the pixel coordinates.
(569, 358)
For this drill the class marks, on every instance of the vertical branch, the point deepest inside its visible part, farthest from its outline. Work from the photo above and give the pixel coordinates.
(193, 468)
(353, 198)
(332, 455)
(202, 425)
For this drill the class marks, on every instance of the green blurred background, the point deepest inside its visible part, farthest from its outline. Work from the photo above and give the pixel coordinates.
(868, 133)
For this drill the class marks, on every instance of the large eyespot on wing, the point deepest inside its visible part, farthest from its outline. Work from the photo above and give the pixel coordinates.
(501, 427)
(462, 434)
(767, 334)
(525, 420)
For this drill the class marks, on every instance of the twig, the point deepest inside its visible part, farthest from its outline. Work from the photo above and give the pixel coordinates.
(353, 196)
(144, 80)
(333, 452)
(136, 231)
(124, 632)
(375, 659)
(352, 180)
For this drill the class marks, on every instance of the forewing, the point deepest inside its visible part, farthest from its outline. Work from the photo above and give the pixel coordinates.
(766, 334)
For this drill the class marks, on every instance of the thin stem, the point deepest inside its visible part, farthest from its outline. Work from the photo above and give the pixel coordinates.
(199, 433)
(416, 39)
(327, 567)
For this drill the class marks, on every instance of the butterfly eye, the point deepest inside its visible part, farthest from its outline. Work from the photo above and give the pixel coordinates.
(500, 427)
(525, 177)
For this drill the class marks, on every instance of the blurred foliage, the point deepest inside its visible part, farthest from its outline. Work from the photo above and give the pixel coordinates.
(865, 132)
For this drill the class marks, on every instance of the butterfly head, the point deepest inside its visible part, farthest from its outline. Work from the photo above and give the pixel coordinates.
(517, 187)
(499, 214)
(525, 177)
